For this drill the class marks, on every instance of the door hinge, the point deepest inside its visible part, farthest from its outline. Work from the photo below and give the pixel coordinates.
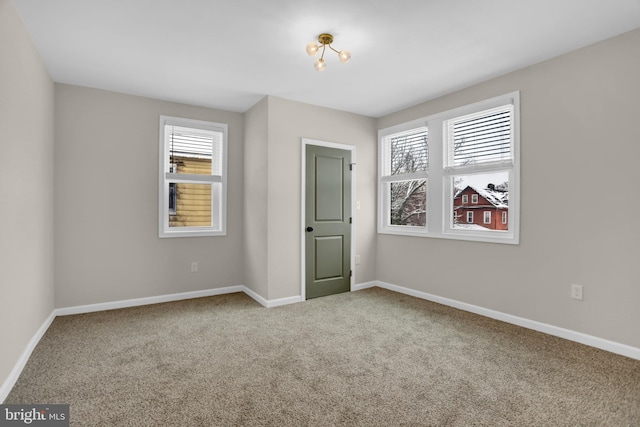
(350, 273)
(351, 166)
(350, 220)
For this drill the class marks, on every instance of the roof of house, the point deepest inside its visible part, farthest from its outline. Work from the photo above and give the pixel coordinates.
(499, 199)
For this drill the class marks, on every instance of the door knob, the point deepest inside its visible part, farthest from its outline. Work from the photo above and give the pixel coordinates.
(309, 229)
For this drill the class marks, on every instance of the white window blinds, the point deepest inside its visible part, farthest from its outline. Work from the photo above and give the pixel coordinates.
(197, 144)
(484, 137)
(408, 153)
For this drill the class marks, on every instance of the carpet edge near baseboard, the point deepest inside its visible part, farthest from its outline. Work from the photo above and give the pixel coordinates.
(592, 341)
(568, 334)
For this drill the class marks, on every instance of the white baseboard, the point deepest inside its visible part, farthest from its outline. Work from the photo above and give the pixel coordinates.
(273, 302)
(365, 285)
(603, 344)
(298, 298)
(263, 302)
(284, 301)
(8, 384)
(146, 300)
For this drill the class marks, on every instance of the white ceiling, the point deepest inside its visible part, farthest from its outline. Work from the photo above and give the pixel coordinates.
(229, 54)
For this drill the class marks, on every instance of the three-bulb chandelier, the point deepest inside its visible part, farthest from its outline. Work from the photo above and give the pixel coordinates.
(325, 40)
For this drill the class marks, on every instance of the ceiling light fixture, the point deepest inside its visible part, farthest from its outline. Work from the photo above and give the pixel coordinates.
(325, 40)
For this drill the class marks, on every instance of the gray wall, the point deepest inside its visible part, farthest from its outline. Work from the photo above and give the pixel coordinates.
(256, 197)
(106, 211)
(106, 158)
(580, 148)
(274, 130)
(26, 193)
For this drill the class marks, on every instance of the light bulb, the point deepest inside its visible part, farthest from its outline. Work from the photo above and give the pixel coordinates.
(319, 65)
(344, 56)
(312, 49)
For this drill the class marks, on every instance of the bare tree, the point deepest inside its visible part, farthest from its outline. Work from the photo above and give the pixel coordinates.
(408, 198)
(408, 202)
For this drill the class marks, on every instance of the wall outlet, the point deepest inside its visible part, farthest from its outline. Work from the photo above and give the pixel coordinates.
(576, 292)
(194, 267)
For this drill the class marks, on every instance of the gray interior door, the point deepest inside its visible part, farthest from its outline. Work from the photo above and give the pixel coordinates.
(328, 221)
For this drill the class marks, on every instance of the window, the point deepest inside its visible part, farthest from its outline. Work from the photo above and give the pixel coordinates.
(424, 183)
(193, 162)
(404, 179)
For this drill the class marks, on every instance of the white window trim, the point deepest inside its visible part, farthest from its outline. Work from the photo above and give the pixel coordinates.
(219, 229)
(469, 217)
(465, 199)
(440, 182)
(504, 217)
(487, 217)
(474, 199)
(384, 201)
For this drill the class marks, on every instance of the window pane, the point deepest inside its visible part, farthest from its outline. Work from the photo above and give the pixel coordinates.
(172, 198)
(192, 205)
(409, 152)
(408, 203)
(194, 151)
(480, 138)
(491, 194)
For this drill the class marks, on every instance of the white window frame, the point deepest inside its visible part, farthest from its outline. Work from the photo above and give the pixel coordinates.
(166, 176)
(465, 199)
(487, 217)
(504, 217)
(474, 198)
(384, 181)
(440, 177)
(469, 217)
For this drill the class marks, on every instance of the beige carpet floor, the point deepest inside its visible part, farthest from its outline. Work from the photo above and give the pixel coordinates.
(367, 358)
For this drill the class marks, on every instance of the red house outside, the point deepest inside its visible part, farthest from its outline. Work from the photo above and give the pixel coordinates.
(487, 208)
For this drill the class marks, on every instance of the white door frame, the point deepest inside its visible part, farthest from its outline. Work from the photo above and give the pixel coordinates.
(303, 219)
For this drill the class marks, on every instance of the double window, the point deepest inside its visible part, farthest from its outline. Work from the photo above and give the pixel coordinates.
(193, 178)
(429, 168)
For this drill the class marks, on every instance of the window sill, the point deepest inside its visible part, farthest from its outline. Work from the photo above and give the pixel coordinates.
(192, 233)
(503, 238)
